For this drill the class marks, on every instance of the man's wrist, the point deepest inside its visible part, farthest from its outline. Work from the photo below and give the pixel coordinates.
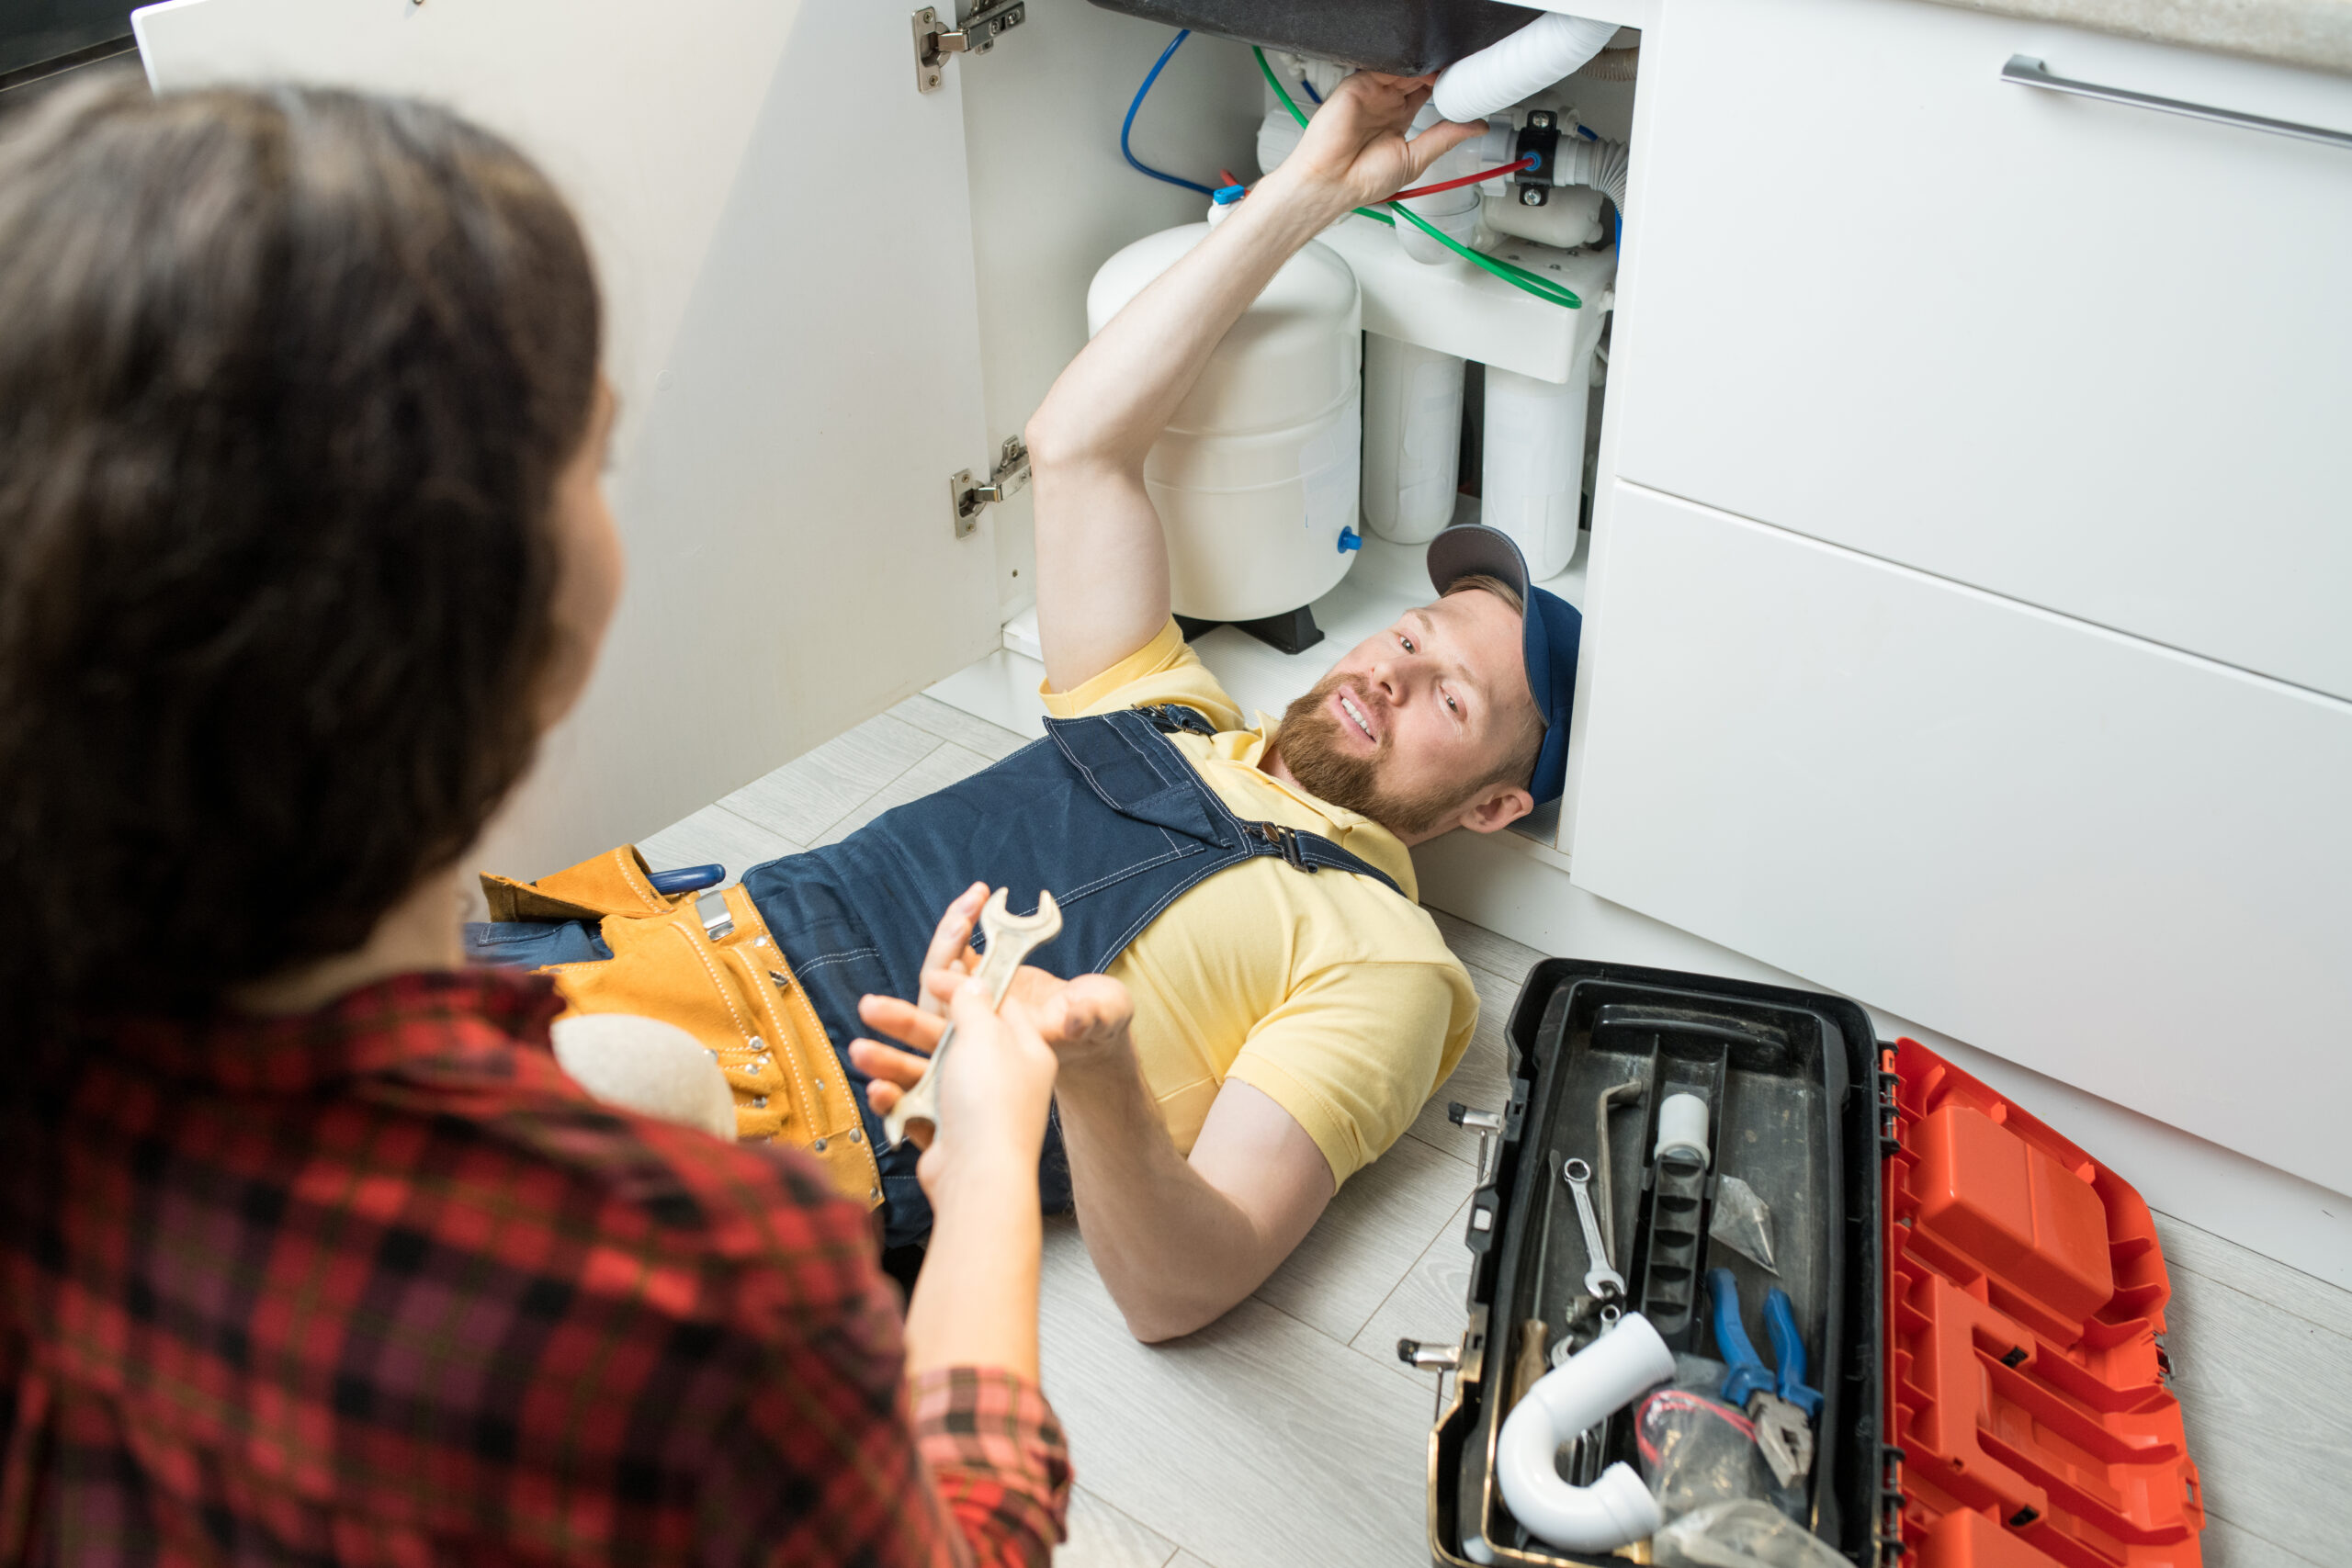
(1314, 203)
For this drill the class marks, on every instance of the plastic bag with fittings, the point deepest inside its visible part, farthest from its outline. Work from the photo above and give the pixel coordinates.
(1740, 1534)
(1694, 1448)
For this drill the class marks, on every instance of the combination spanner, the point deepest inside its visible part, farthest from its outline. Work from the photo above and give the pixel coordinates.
(1010, 939)
(1601, 1280)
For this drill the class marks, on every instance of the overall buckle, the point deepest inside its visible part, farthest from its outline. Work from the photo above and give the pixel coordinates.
(1285, 839)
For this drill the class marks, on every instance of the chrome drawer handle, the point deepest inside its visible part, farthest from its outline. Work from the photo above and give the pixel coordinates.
(2025, 72)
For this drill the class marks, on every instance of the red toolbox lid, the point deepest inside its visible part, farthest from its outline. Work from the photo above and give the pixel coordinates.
(2026, 1381)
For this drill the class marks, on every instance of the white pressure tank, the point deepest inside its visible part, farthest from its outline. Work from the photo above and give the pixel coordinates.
(1255, 477)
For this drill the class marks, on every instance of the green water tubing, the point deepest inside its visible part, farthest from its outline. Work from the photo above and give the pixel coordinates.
(1509, 271)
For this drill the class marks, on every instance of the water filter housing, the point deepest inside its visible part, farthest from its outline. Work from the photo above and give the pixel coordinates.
(1255, 477)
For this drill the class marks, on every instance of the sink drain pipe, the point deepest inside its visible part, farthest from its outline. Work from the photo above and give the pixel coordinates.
(1605, 1376)
(1527, 62)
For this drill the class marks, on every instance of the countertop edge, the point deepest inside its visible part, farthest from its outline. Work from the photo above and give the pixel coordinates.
(2314, 34)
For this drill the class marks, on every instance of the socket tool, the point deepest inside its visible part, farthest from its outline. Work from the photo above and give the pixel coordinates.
(1009, 939)
(1779, 1402)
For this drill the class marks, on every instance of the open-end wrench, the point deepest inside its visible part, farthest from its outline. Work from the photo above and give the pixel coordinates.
(1010, 939)
(1600, 1280)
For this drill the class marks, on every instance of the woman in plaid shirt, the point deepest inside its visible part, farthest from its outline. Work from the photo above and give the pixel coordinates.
(308, 1253)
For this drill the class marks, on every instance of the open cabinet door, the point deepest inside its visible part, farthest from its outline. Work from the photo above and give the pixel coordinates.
(781, 226)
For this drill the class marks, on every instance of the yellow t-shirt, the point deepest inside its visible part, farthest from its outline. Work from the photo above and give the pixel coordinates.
(1326, 992)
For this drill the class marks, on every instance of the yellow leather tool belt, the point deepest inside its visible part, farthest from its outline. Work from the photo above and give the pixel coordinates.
(732, 991)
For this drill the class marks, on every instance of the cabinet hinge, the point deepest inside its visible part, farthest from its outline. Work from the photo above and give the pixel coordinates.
(1010, 477)
(976, 34)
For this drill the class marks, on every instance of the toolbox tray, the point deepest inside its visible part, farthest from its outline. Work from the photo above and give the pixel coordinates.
(1982, 1302)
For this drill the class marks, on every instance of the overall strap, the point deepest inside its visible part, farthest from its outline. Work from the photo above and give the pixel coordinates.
(1302, 851)
(1166, 717)
(1309, 851)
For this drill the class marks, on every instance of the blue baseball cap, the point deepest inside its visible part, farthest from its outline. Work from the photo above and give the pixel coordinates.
(1551, 629)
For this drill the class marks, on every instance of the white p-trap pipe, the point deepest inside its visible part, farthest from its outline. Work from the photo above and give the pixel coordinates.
(1606, 1375)
(1527, 62)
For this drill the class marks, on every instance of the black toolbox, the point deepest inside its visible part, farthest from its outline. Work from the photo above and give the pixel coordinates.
(1982, 1304)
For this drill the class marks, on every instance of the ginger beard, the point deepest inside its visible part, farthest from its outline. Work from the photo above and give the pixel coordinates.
(1311, 747)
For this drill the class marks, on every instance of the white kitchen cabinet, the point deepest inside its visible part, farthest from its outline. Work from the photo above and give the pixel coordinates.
(2109, 862)
(2089, 357)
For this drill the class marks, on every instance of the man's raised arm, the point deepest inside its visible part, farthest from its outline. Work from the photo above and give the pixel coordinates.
(1101, 561)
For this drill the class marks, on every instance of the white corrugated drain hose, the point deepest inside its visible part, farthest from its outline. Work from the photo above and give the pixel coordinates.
(1601, 164)
(1606, 1375)
(1527, 62)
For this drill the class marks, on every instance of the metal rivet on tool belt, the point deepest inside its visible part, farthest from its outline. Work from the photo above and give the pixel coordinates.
(783, 981)
(856, 1137)
(818, 1146)
(874, 1192)
(757, 1044)
(759, 1102)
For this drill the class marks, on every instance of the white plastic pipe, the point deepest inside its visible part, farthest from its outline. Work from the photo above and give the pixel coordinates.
(1571, 217)
(1412, 438)
(1531, 483)
(1527, 62)
(1606, 1375)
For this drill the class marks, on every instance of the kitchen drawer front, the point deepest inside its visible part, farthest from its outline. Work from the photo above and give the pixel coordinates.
(2113, 863)
(2087, 356)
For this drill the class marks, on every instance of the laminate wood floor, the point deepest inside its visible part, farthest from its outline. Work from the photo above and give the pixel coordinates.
(1288, 1436)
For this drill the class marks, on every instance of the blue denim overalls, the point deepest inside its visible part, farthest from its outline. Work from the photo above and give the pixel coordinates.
(1105, 812)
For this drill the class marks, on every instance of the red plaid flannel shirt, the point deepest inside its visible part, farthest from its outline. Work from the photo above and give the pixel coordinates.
(379, 1284)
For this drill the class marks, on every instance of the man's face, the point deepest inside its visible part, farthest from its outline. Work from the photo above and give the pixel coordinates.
(1407, 726)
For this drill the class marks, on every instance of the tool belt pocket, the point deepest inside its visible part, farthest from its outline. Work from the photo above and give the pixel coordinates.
(706, 962)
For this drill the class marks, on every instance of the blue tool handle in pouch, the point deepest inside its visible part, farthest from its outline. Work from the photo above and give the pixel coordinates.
(1749, 1376)
(687, 879)
(1788, 1352)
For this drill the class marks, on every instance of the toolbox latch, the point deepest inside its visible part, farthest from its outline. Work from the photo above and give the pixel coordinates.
(1889, 1088)
(1890, 1506)
(1486, 1123)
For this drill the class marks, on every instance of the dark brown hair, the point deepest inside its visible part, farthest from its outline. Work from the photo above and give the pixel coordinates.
(287, 379)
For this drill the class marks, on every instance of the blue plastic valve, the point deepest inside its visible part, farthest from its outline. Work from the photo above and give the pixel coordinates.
(1226, 196)
(1350, 540)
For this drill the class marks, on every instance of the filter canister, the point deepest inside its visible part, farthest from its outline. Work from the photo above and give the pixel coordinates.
(1682, 1129)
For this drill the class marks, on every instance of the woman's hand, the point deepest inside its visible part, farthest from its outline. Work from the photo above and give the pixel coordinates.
(1356, 150)
(1085, 1021)
(995, 1090)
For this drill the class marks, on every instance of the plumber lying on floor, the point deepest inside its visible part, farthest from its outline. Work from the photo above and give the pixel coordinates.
(1248, 886)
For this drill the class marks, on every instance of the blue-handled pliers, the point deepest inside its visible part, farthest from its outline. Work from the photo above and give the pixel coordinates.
(1780, 1403)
